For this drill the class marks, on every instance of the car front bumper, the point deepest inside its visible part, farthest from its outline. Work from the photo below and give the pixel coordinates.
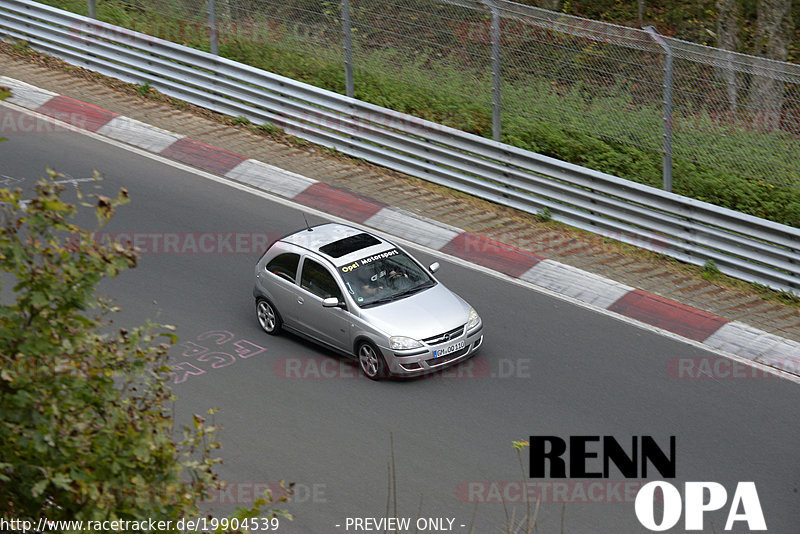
(433, 357)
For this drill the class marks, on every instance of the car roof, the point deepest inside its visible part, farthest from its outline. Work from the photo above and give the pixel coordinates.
(340, 243)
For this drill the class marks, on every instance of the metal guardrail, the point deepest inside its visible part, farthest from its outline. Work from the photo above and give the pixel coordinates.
(713, 113)
(690, 230)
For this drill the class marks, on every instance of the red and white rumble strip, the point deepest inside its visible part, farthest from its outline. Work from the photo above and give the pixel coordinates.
(731, 337)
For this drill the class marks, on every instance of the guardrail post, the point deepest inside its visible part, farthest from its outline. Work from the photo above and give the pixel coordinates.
(92, 9)
(213, 38)
(348, 49)
(496, 74)
(667, 117)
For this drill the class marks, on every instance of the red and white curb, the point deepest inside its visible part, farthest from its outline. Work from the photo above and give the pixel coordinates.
(713, 331)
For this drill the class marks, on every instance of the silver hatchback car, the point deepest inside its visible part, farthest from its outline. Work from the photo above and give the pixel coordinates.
(365, 297)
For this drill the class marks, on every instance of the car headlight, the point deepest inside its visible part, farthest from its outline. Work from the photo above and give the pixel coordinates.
(474, 319)
(403, 343)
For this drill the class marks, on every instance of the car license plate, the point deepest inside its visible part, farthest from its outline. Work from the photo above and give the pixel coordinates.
(448, 350)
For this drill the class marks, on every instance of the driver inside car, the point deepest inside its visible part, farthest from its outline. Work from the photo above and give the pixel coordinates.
(371, 283)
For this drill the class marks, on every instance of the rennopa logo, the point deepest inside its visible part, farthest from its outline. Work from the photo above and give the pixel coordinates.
(593, 457)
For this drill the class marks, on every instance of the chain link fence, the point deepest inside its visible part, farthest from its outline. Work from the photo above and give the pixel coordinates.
(625, 100)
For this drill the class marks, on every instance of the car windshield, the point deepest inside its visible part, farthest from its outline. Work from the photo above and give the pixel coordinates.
(384, 277)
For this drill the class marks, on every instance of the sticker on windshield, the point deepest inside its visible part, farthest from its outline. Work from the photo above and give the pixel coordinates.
(369, 259)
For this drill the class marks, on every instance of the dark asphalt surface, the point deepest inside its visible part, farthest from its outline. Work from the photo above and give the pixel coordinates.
(297, 412)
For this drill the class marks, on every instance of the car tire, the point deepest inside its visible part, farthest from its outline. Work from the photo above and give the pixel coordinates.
(268, 317)
(371, 361)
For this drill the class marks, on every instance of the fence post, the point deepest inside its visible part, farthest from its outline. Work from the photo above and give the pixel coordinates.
(348, 49)
(496, 74)
(92, 9)
(213, 39)
(667, 118)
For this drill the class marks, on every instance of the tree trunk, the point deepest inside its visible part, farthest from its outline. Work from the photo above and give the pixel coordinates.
(728, 16)
(772, 38)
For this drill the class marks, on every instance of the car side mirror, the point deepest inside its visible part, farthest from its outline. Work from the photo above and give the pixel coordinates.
(330, 302)
(434, 267)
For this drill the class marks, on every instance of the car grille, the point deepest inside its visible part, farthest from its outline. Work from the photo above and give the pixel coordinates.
(433, 362)
(447, 336)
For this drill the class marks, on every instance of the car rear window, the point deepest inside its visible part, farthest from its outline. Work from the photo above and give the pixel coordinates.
(345, 246)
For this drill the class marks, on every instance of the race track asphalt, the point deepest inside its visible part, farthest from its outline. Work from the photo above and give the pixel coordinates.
(296, 412)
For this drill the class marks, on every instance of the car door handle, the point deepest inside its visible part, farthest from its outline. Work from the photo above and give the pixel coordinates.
(299, 300)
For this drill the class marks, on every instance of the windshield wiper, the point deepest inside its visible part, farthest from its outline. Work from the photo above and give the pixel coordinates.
(383, 300)
(397, 296)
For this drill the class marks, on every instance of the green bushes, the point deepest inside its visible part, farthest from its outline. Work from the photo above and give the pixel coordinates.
(537, 116)
(758, 198)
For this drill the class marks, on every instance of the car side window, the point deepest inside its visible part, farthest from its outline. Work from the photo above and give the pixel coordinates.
(319, 280)
(285, 266)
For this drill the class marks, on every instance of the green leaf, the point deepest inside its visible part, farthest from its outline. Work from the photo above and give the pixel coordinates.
(61, 480)
(85, 415)
(39, 487)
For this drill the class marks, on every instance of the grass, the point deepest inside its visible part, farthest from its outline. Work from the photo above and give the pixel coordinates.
(540, 115)
(22, 47)
(143, 89)
(710, 269)
(544, 215)
(270, 129)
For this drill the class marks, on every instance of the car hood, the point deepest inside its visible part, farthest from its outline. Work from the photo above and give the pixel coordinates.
(421, 315)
